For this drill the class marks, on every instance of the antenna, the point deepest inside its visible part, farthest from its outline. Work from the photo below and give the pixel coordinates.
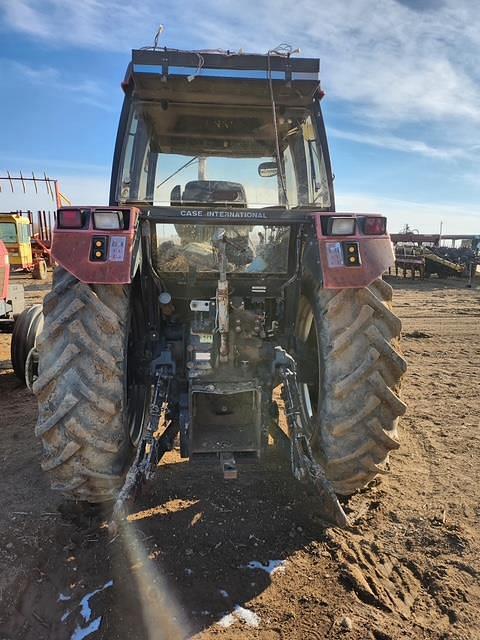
(160, 30)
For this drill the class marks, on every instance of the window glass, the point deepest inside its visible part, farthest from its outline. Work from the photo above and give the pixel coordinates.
(8, 232)
(184, 154)
(248, 248)
(317, 174)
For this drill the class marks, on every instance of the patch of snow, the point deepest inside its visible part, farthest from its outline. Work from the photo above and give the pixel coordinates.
(65, 615)
(227, 621)
(223, 593)
(270, 567)
(85, 611)
(81, 633)
(249, 617)
(63, 598)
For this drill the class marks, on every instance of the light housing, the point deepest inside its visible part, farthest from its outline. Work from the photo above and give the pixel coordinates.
(70, 219)
(375, 225)
(98, 251)
(351, 254)
(341, 226)
(108, 220)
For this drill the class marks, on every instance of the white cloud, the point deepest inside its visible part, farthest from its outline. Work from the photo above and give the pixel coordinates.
(390, 68)
(89, 190)
(398, 144)
(50, 165)
(86, 24)
(425, 217)
(85, 91)
(390, 62)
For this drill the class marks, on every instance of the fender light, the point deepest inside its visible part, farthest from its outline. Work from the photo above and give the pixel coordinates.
(108, 220)
(341, 226)
(375, 226)
(70, 219)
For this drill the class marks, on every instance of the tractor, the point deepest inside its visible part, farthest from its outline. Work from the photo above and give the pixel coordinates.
(26, 252)
(218, 274)
(24, 323)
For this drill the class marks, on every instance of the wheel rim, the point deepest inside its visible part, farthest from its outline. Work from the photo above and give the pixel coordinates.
(31, 368)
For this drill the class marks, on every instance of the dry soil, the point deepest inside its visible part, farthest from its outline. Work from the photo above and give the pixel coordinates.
(408, 568)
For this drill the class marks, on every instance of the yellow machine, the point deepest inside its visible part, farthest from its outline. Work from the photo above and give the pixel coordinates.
(15, 233)
(25, 252)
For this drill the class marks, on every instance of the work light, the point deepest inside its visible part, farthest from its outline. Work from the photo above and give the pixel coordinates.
(107, 220)
(341, 226)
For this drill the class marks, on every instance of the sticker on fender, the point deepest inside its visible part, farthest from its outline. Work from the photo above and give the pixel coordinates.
(334, 254)
(117, 249)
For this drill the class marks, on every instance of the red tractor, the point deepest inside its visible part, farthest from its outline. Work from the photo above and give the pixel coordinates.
(219, 271)
(26, 324)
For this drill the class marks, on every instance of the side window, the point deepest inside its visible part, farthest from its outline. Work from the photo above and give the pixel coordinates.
(318, 183)
(290, 178)
(22, 233)
(125, 183)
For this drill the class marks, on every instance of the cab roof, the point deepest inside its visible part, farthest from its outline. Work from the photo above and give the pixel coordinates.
(221, 77)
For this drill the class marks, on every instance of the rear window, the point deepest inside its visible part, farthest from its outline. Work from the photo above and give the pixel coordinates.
(249, 249)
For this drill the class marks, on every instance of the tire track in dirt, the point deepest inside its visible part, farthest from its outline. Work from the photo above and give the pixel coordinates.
(407, 569)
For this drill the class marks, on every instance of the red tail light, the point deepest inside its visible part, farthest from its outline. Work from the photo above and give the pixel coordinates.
(70, 219)
(373, 226)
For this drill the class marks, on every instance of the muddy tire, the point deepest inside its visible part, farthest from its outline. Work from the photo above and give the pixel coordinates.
(81, 388)
(352, 380)
(25, 331)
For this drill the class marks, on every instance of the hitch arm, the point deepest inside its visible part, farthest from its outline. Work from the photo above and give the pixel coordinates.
(152, 447)
(304, 466)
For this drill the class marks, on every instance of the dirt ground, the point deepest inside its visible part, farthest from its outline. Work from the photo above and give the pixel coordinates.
(203, 558)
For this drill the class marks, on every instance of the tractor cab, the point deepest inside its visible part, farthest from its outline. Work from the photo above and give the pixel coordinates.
(214, 143)
(16, 235)
(248, 119)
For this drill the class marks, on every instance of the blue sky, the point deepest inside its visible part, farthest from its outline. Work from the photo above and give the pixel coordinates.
(401, 76)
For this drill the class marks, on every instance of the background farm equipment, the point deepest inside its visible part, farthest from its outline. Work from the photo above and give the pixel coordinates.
(27, 238)
(427, 255)
(12, 299)
(25, 323)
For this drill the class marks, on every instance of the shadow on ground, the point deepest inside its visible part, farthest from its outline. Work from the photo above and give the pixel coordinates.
(182, 562)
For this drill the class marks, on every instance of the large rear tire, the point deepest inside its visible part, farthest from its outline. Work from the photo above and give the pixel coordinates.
(81, 388)
(352, 379)
(25, 331)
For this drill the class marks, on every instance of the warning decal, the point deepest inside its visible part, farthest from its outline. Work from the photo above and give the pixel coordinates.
(334, 254)
(117, 249)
